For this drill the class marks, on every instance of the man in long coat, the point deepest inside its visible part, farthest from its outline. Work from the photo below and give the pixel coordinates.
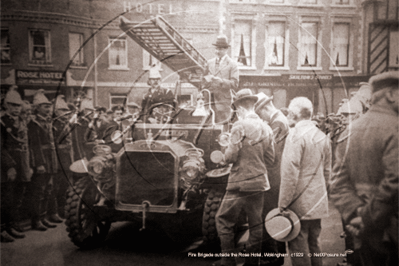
(42, 147)
(305, 173)
(364, 185)
(221, 76)
(279, 124)
(15, 168)
(250, 150)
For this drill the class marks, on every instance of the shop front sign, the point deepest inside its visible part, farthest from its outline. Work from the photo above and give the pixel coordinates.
(39, 77)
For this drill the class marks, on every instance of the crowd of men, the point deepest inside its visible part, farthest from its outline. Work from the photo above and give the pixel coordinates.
(286, 162)
(39, 142)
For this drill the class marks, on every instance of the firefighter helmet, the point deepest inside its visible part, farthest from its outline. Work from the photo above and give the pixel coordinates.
(13, 96)
(40, 98)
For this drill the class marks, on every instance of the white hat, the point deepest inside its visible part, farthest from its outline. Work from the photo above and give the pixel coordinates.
(282, 227)
(40, 98)
(86, 104)
(154, 73)
(13, 96)
(60, 103)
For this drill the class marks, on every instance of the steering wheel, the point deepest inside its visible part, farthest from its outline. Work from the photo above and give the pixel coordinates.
(160, 113)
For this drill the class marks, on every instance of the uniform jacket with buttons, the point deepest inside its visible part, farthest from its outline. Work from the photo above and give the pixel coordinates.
(305, 171)
(14, 147)
(250, 156)
(42, 145)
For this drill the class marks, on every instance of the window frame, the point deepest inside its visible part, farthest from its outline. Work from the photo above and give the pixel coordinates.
(317, 20)
(146, 59)
(285, 66)
(351, 3)
(252, 20)
(83, 63)
(47, 61)
(116, 67)
(7, 48)
(350, 66)
(118, 96)
(283, 3)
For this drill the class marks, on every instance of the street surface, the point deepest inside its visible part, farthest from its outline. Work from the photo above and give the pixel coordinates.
(125, 245)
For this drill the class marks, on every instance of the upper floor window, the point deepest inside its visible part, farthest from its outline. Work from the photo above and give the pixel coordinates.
(150, 61)
(75, 47)
(5, 46)
(242, 46)
(341, 2)
(276, 43)
(117, 53)
(314, 2)
(308, 44)
(117, 99)
(341, 38)
(39, 47)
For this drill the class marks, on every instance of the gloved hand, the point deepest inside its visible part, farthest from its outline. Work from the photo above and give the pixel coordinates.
(11, 174)
(355, 226)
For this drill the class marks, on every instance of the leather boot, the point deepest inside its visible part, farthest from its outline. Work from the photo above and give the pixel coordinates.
(14, 233)
(6, 238)
(46, 223)
(17, 227)
(54, 218)
(37, 225)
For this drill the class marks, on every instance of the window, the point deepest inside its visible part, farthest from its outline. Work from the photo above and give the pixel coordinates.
(276, 44)
(39, 47)
(341, 2)
(150, 61)
(75, 43)
(393, 48)
(117, 53)
(5, 47)
(309, 2)
(117, 99)
(242, 50)
(308, 44)
(341, 37)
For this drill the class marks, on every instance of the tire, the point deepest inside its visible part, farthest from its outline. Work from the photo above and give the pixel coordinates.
(84, 226)
(211, 207)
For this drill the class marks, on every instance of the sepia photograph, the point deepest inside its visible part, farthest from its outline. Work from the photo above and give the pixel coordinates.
(199, 132)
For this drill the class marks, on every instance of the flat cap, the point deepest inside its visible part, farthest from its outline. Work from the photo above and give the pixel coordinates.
(384, 80)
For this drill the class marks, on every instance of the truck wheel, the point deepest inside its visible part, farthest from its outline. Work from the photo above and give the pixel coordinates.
(211, 207)
(85, 227)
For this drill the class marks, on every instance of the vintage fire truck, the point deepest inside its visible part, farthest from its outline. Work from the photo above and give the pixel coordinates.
(171, 172)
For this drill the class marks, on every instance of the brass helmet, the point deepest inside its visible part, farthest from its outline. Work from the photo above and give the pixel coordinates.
(60, 103)
(13, 96)
(40, 98)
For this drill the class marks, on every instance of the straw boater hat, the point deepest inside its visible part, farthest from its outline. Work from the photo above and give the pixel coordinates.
(244, 96)
(281, 227)
(40, 98)
(13, 96)
(384, 80)
(263, 99)
(221, 42)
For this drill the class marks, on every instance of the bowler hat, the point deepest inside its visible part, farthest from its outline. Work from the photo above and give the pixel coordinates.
(282, 227)
(263, 99)
(384, 80)
(221, 42)
(100, 109)
(244, 96)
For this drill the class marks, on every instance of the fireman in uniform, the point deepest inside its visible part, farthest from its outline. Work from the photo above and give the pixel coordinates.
(15, 170)
(63, 143)
(44, 161)
(156, 94)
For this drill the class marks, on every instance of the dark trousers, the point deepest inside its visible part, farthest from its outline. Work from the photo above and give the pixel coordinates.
(226, 218)
(61, 182)
(307, 242)
(40, 190)
(12, 194)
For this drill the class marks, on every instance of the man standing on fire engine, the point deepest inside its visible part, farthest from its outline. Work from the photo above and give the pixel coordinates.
(156, 94)
(250, 149)
(42, 146)
(221, 77)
